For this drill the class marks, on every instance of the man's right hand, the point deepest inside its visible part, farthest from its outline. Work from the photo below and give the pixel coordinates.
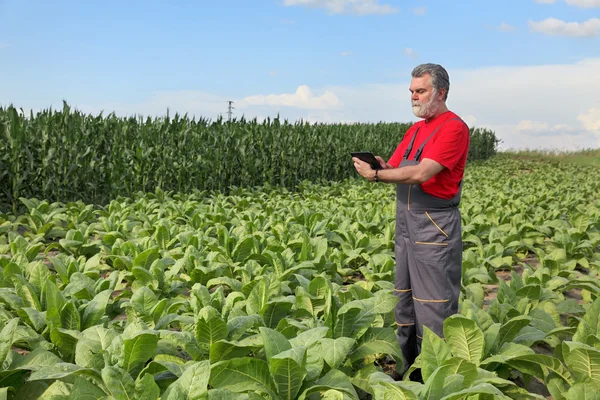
(383, 164)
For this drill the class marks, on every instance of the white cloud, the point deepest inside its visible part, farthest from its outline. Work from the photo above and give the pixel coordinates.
(410, 53)
(591, 119)
(576, 3)
(4, 45)
(584, 3)
(539, 128)
(303, 98)
(504, 27)
(358, 7)
(557, 27)
(345, 53)
(419, 10)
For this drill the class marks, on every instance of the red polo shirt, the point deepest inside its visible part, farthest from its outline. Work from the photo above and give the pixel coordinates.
(449, 147)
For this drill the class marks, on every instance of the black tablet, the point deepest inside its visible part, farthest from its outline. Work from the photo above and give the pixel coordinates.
(368, 157)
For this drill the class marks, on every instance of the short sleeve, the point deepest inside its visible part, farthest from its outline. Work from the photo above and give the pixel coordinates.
(449, 144)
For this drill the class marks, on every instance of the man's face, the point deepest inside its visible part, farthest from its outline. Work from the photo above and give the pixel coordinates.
(424, 98)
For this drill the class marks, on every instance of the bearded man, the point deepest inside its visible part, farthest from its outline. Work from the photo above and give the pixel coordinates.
(427, 168)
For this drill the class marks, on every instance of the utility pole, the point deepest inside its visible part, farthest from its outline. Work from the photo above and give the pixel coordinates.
(229, 108)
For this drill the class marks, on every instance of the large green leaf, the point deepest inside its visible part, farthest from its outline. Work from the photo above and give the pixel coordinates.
(583, 391)
(509, 330)
(583, 361)
(482, 389)
(274, 342)
(210, 327)
(335, 351)
(464, 338)
(391, 391)
(95, 309)
(138, 350)
(119, 383)
(434, 351)
(7, 337)
(243, 375)
(334, 379)
(589, 324)
(192, 384)
(443, 378)
(288, 371)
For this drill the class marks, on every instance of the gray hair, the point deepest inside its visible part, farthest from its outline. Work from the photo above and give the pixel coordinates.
(439, 76)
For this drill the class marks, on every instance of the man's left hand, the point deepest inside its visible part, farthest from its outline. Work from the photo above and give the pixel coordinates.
(363, 168)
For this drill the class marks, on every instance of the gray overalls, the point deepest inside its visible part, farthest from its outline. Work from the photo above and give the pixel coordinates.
(428, 247)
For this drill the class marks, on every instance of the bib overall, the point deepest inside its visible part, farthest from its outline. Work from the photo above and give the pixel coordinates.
(428, 249)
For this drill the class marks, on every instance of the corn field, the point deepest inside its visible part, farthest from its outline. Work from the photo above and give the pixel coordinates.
(66, 155)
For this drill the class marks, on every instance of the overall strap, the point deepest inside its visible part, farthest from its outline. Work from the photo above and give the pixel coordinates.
(410, 146)
(420, 149)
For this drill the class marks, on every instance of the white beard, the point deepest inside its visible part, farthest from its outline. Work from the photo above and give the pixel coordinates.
(428, 109)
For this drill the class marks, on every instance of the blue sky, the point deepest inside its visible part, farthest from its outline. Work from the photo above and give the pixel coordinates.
(529, 69)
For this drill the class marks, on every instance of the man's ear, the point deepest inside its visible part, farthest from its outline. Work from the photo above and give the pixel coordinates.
(441, 94)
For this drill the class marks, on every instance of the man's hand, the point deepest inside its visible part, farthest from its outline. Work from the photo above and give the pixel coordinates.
(363, 168)
(383, 164)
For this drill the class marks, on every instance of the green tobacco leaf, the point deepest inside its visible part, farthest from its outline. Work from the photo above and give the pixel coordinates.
(287, 369)
(70, 318)
(464, 338)
(7, 337)
(238, 326)
(138, 350)
(210, 327)
(224, 394)
(533, 364)
(37, 359)
(242, 375)
(146, 258)
(60, 371)
(95, 309)
(434, 351)
(510, 329)
(392, 391)
(57, 391)
(65, 340)
(274, 342)
(275, 311)
(92, 345)
(335, 380)
(335, 351)
(381, 341)
(144, 300)
(346, 321)
(119, 383)
(481, 389)
(243, 249)
(32, 317)
(225, 350)
(442, 377)
(192, 384)
(85, 390)
(590, 324)
(258, 297)
(583, 391)
(583, 361)
(309, 337)
(507, 352)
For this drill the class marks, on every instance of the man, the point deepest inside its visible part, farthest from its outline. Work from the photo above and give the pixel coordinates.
(427, 168)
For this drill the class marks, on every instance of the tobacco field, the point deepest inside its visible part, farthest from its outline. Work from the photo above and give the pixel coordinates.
(269, 293)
